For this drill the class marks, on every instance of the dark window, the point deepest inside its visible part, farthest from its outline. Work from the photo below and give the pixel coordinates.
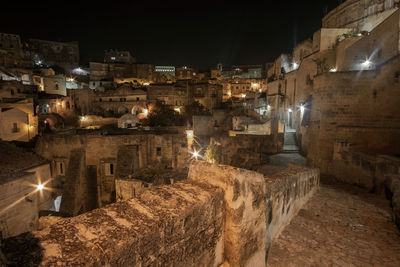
(15, 128)
(137, 98)
(110, 99)
(158, 151)
(100, 100)
(61, 168)
(12, 92)
(56, 86)
(111, 168)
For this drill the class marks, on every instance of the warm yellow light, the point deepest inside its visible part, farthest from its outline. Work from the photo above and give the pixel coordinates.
(40, 187)
(229, 93)
(58, 103)
(195, 154)
(189, 133)
(243, 95)
(333, 70)
(31, 126)
(255, 85)
(146, 112)
(145, 83)
(83, 118)
(177, 110)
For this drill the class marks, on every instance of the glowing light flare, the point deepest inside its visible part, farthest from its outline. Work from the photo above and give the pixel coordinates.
(302, 108)
(333, 70)
(268, 107)
(177, 110)
(146, 83)
(229, 94)
(146, 112)
(290, 110)
(196, 154)
(243, 95)
(366, 63)
(38, 188)
(254, 85)
(295, 65)
(189, 133)
(83, 118)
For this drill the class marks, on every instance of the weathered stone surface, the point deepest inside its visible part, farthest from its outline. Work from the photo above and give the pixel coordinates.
(244, 229)
(341, 225)
(178, 225)
(286, 192)
(219, 215)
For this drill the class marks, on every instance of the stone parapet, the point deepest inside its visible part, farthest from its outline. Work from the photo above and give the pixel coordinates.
(220, 215)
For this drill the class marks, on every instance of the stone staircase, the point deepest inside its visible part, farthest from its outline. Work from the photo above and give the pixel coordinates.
(289, 145)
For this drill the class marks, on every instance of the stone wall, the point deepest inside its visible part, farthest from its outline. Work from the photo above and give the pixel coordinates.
(220, 215)
(378, 173)
(362, 169)
(286, 193)
(112, 156)
(357, 108)
(245, 150)
(20, 202)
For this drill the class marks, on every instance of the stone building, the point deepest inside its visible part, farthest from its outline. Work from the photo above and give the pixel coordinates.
(111, 102)
(11, 51)
(243, 71)
(18, 121)
(124, 99)
(341, 88)
(94, 161)
(63, 54)
(176, 94)
(207, 93)
(20, 200)
(11, 91)
(362, 15)
(117, 56)
(185, 73)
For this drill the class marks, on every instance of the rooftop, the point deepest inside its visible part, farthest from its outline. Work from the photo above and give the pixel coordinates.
(15, 160)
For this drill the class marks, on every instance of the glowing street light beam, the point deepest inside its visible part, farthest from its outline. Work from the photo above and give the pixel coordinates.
(196, 154)
(40, 187)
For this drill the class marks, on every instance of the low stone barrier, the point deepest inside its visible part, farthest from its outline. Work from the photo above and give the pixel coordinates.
(219, 215)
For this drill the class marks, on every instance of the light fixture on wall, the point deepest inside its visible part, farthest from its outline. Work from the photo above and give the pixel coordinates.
(366, 63)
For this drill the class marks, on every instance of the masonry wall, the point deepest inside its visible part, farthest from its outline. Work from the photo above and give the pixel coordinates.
(135, 151)
(220, 215)
(357, 108)
(244, 150)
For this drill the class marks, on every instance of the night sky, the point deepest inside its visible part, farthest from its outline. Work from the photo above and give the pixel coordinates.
(193, 33)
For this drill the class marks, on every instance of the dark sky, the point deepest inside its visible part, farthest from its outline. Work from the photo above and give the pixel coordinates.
(193, 33)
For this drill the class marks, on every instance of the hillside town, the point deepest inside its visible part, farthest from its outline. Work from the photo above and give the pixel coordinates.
(108, 137)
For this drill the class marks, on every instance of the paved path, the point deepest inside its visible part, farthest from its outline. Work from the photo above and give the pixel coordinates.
(340, 226)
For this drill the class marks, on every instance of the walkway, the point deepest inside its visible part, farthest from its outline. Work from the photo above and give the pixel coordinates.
(340, 226)
(289, 144)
